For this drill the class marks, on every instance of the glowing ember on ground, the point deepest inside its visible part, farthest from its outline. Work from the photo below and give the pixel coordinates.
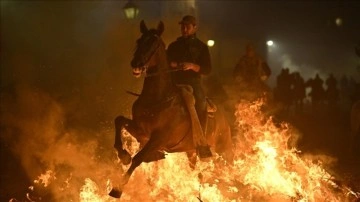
(266, 168)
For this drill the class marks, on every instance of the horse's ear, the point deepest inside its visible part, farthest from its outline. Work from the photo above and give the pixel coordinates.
(160, 28)
(143, 27)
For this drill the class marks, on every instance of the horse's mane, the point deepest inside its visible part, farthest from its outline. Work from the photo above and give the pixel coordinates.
(158, 82)
(163, 62)
(162, 49)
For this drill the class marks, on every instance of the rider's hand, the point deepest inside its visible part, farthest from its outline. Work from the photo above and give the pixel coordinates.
(191, 66)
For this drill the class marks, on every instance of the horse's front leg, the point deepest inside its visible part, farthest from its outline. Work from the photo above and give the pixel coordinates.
(141, 156)
(192, 158)
(128, 124)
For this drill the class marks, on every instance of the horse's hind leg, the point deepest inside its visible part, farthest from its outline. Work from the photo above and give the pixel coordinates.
(132, 128)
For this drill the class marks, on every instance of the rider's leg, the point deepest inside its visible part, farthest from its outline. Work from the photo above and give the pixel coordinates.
(200, 107)
(201, 111)
(200, 104)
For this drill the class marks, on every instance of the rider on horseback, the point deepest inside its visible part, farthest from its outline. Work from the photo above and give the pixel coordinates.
(192, 55)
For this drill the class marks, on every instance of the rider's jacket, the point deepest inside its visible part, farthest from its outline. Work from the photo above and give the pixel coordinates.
(193, 50)
(251, 69)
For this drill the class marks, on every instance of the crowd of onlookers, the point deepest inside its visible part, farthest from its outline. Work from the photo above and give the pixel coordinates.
(323, 108)
(293, 91)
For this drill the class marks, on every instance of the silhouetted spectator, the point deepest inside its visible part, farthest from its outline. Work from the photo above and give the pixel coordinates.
(332, 91)
(357, 49)
(354, 90)
(317, 92)
(299, 91)
(283, 92)
(344, 83)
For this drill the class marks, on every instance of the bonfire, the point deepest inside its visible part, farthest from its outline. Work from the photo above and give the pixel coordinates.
(267, 167)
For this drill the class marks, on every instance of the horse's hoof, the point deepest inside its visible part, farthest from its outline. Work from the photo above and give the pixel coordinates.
(124, 156)
(115, 193)
(204, 152)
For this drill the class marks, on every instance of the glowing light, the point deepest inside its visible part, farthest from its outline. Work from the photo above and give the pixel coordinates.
(270, 43)
(338, 21)
(131, 10)
(210, 43)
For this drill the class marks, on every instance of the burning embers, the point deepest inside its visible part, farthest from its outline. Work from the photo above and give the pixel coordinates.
(266, 168)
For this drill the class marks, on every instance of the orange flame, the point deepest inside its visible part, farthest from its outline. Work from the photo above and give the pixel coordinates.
(266, 168)
(46, 178)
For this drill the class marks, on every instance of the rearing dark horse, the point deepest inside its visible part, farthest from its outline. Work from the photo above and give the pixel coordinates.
(160, 120)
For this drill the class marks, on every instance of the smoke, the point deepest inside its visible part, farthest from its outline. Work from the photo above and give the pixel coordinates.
(307, 71)
(34, 126)
(63, 82)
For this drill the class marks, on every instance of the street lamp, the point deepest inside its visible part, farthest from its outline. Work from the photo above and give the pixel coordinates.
(338, 21)
(210, 43)
(270, 43)
(131, 10)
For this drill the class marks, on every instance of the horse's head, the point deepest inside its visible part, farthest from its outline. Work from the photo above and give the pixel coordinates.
(146, 48)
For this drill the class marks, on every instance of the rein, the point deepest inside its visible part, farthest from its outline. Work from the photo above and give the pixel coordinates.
(166, 71)
(154, 74)
(146, 66)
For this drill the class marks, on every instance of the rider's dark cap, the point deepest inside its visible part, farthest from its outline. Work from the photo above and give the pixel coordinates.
(188, 19)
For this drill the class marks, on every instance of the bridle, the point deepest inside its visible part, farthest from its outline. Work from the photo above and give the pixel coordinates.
(144, 68)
